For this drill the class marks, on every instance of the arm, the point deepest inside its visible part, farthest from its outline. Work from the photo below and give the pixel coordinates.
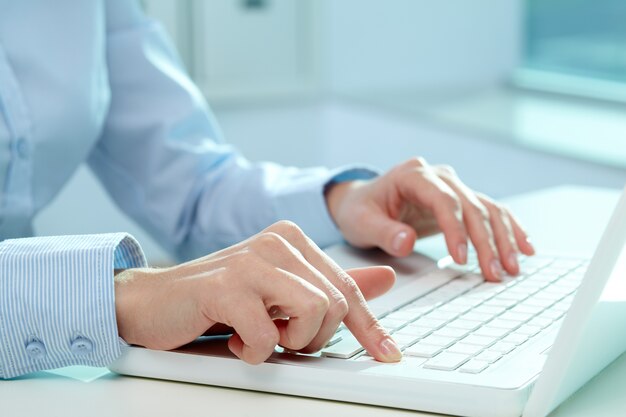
(162, 158)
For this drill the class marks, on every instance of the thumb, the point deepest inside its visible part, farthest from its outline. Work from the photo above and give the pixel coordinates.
(373, 281)
(394, 237)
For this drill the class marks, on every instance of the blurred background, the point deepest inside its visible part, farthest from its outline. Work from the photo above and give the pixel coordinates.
(517, 95)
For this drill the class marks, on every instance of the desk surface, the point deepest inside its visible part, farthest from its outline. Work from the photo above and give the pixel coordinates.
(579, 213)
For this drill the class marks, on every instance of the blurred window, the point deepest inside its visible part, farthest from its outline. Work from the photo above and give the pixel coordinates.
(585, 38)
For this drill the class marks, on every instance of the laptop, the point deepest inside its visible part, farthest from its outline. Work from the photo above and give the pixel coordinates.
(471, 348)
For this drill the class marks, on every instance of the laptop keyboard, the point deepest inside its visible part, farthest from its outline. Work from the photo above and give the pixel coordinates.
(466, 324)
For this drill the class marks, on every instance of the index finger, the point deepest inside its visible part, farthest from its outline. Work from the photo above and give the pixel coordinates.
(424, 188)
(359, 320)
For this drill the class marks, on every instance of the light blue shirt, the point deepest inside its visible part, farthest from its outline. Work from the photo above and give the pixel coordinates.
(96, 81)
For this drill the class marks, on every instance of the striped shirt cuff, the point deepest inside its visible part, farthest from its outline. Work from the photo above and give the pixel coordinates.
(57, 300)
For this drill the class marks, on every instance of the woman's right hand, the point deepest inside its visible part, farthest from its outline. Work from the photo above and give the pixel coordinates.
(276, 288)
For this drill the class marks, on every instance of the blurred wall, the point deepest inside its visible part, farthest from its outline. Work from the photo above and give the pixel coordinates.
(419, 44)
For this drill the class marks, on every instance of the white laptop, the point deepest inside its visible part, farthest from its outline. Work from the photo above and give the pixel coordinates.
(471, 348)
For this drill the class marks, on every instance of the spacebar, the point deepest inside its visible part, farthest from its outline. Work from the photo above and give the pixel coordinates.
(347, 347)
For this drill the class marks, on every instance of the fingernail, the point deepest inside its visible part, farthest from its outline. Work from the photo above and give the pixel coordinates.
(398, 241)
(530, 245)
(390, 350)
(462, 253)
(513, 260)
(496, 269)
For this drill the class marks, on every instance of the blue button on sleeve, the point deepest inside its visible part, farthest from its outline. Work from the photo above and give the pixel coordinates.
(55, 291)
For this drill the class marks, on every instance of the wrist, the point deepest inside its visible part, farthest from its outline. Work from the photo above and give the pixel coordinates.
(335, 195)
(126, 301)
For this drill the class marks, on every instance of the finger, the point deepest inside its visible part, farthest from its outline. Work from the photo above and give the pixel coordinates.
(478, 222)
(373, 281)
(279, 252)
(423, 187)
(256, 336)
(359, 318)
(505, 239)
(521, 237)
(392, 236)
(304, 304)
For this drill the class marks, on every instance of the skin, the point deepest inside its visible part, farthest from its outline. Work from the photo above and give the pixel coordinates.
(279, 288)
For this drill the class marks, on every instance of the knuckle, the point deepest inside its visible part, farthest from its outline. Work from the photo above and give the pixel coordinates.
(349, 285)
(317, 304)
(266, 339)
(481, 211)
(502, 210)
(339, 309)
(270, 241)
(446, 170)
(416, 162)
(289, 230)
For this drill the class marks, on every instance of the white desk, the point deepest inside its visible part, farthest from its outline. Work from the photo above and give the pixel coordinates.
(47, 394)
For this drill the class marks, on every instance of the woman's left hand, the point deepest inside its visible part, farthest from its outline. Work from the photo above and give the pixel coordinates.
(415, 200)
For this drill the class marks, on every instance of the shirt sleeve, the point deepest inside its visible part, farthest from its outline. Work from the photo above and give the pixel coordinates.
(162, 158)
(57, 300)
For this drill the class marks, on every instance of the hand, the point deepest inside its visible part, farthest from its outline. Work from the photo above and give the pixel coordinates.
(277, 287)
(415, 200)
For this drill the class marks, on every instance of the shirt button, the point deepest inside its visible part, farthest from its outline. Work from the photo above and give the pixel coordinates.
(81, 346)
(36, 349)
(23, 148)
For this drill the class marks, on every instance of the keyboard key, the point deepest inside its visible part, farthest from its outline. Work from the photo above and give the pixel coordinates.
(528, 330)
(474, 366)
(391, 324)
(414, 330)
(500, 303)
(526, 308)
(513, 295)
(471, 280)
(550, 315)
(489, 356)
(483, 341)
(486, 288)
(503, 347)
(454, 332)
(441, 341)
(539, 302)
(455, 308)
(347, 347)
(441, 315)
(462, 323)
(481, 317)
(464, 301)
(400, 315)
(491, 311)
(540, 322)
(422, 350)
(403, 339)
(464, 348)
(516, 317)
(504, 324)
(446, 361)
(490, 331)
(515, 338)
(430, 323)
(567, 264)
